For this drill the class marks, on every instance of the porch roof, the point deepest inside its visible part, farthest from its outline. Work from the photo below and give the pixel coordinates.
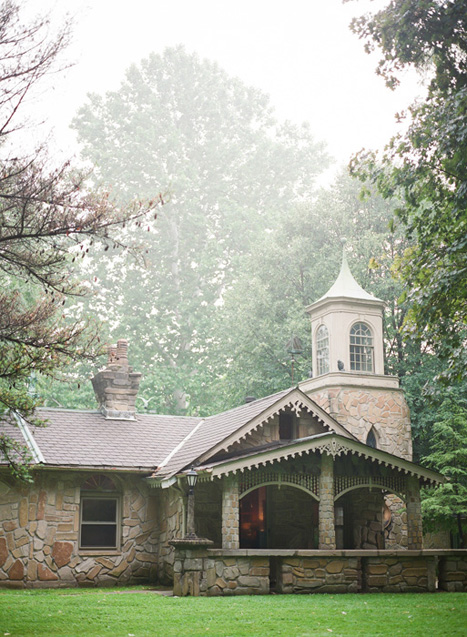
(331, 443)
(217, 433)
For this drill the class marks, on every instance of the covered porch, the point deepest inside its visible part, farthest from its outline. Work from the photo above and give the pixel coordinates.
(325, 492)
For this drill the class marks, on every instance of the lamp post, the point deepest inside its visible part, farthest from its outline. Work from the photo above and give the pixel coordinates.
(192, 479)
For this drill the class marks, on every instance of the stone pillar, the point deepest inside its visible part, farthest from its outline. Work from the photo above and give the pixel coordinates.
(414, 515)
(230, 514)
(327, 532)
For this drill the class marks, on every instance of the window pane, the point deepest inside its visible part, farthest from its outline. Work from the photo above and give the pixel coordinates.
(99, 510)
(322, 350)
(361, 348)
(99, 535)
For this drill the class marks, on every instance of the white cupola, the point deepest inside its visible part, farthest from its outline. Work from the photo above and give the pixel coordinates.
(347, 328)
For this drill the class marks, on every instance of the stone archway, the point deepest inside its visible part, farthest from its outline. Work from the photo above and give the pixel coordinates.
(359, 519)
(278, 517)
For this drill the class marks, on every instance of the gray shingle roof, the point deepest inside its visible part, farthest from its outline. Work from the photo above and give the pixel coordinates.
(163, 445)
(87, 439)
(214, 429)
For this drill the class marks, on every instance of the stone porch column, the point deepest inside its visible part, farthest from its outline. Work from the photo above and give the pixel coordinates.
(230, 514)
(414, 515)
(327, 532)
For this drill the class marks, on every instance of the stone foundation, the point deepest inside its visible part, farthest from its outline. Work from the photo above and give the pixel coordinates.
(212, 572)
(452, 571)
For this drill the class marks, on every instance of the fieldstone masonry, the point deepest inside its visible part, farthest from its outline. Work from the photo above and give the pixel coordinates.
(213, 572)
(116, 386)
(230, 515)
(39, 536)
(359, 409)
(327, 533)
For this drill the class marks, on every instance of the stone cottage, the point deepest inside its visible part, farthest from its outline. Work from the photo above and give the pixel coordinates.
(310, 489)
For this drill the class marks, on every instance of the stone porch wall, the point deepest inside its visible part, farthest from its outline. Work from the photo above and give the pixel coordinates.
(212, 572)
(39, 528)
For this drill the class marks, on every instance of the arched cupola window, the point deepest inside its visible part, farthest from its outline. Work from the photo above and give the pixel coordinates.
(322, 349)
(361, 348)
(371, 439)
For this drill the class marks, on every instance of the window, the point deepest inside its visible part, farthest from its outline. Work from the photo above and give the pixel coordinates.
(361, 348)
(322, 349)
(99, 514)
(371, 439)
(286, 422)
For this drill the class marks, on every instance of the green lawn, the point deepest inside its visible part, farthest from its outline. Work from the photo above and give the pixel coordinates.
(127, 614)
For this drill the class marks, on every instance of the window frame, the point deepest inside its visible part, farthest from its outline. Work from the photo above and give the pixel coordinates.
(322, 352)
(361, 354)
(92, 495)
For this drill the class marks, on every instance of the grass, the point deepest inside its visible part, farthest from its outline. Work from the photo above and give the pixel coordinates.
(112, 612)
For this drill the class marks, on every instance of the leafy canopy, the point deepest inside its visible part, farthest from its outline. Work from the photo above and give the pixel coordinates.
(232, 171)
(427, 165)
(48, 219)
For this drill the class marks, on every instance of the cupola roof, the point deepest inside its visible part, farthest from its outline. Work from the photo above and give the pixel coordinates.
(346, 286)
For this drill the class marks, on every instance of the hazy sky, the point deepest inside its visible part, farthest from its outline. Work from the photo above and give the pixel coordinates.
(300, 52)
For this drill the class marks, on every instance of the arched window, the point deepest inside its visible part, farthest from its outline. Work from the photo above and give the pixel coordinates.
(371, 439)
(322, 349)
(99, 513)
(361, 348)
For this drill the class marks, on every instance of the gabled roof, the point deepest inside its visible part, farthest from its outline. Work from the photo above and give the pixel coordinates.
(330, 443)
(217, 433)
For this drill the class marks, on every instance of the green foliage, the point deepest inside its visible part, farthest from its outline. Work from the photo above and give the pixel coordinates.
(48, 220)
(446, 505)
(427, 167)
(231, 171)
(290, 268)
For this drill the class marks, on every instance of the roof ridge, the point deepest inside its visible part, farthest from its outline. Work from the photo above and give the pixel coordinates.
(253, 402)
(180, 445)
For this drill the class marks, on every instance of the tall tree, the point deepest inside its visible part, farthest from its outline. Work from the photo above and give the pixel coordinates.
(446, 505)
(427, 165)
(231, 171)
(48, 219)
(292, 267)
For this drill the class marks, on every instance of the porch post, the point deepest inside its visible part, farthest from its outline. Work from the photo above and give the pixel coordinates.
(230, 514)
(414, 514)
(327, 532)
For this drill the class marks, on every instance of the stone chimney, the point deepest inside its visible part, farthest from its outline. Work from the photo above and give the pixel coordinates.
(116, 386)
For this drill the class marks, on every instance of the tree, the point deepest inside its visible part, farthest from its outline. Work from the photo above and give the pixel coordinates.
(232, 171)
(427, 166)
(48, 220)
(446, 505)
(294, 266)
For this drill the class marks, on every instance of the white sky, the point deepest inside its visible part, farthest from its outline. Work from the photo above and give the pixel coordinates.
(300, 52)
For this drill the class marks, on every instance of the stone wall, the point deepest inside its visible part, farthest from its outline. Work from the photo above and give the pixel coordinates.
(318, 575)
(360, 409)
(208, 572)
(396, 533)
(171, 525)
(39, 529)
(452, 571)
(367, 507)
(401, 574)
